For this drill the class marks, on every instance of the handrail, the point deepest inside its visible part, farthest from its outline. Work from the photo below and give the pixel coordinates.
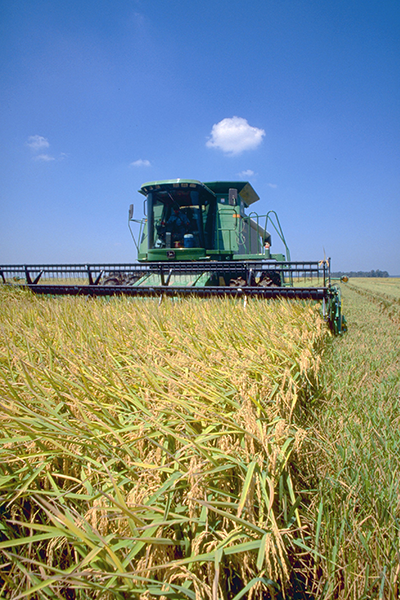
(278, 230)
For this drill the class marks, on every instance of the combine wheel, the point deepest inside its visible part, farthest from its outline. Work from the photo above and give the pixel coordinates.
(238, 282)
(267, 279)
(270, 279)
(111, 281)
(119, 279)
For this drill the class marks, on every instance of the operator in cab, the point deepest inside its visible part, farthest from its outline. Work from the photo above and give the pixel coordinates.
(178, 224)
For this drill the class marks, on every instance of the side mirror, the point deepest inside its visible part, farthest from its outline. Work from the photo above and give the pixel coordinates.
(131, 212)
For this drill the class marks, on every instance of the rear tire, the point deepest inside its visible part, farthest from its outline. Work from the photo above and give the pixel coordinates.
(270, 279)
(111, 281)
(120, 279)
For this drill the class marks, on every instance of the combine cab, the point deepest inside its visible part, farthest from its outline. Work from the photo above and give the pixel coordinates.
(190, 221)
(196, 239)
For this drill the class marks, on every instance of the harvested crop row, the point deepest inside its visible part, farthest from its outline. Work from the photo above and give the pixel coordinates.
(388, 287)
(388, 300)
(353, 441)
(150, 448)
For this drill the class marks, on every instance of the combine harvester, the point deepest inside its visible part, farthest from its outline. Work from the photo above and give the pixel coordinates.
(196, 240)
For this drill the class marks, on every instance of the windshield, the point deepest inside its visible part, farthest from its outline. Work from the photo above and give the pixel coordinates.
(178, 219)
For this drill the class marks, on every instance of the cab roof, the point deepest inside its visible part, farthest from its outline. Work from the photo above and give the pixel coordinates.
(172, 184)
(244, 188)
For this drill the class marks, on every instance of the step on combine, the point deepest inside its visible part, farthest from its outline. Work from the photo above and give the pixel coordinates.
(196, 239)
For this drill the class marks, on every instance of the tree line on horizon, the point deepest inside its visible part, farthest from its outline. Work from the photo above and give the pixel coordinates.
(377, 273)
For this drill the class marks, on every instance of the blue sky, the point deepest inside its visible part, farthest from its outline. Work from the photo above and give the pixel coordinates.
(300, 97)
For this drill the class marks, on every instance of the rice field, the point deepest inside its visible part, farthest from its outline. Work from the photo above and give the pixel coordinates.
(197, 449)
(151, 449)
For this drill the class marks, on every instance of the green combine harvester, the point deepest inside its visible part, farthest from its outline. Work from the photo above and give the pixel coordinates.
(196, 239)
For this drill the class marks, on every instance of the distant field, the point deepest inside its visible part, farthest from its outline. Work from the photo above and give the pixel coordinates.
(199, 449)
(387, 286)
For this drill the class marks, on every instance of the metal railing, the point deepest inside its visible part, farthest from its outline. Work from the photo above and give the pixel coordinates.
(297, 273)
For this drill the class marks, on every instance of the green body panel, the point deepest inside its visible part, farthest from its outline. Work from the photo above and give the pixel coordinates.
(244, 188)
(226, 238)
(278, 257)
(202, 280)
(161, 254)
(176, 279)
(248, 257)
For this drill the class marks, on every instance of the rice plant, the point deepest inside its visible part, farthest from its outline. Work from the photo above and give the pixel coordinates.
(153, 451)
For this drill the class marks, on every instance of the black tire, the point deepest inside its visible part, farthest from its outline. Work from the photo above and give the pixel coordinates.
(270, 279)
(111, 281)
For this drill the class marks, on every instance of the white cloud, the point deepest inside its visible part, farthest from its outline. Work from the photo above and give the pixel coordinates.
(44, 157)
(141, 163)
(234, 136)
(272, 185)
(247, 173)
(37, 142)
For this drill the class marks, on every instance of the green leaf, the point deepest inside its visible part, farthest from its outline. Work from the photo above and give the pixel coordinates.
(246, 487)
